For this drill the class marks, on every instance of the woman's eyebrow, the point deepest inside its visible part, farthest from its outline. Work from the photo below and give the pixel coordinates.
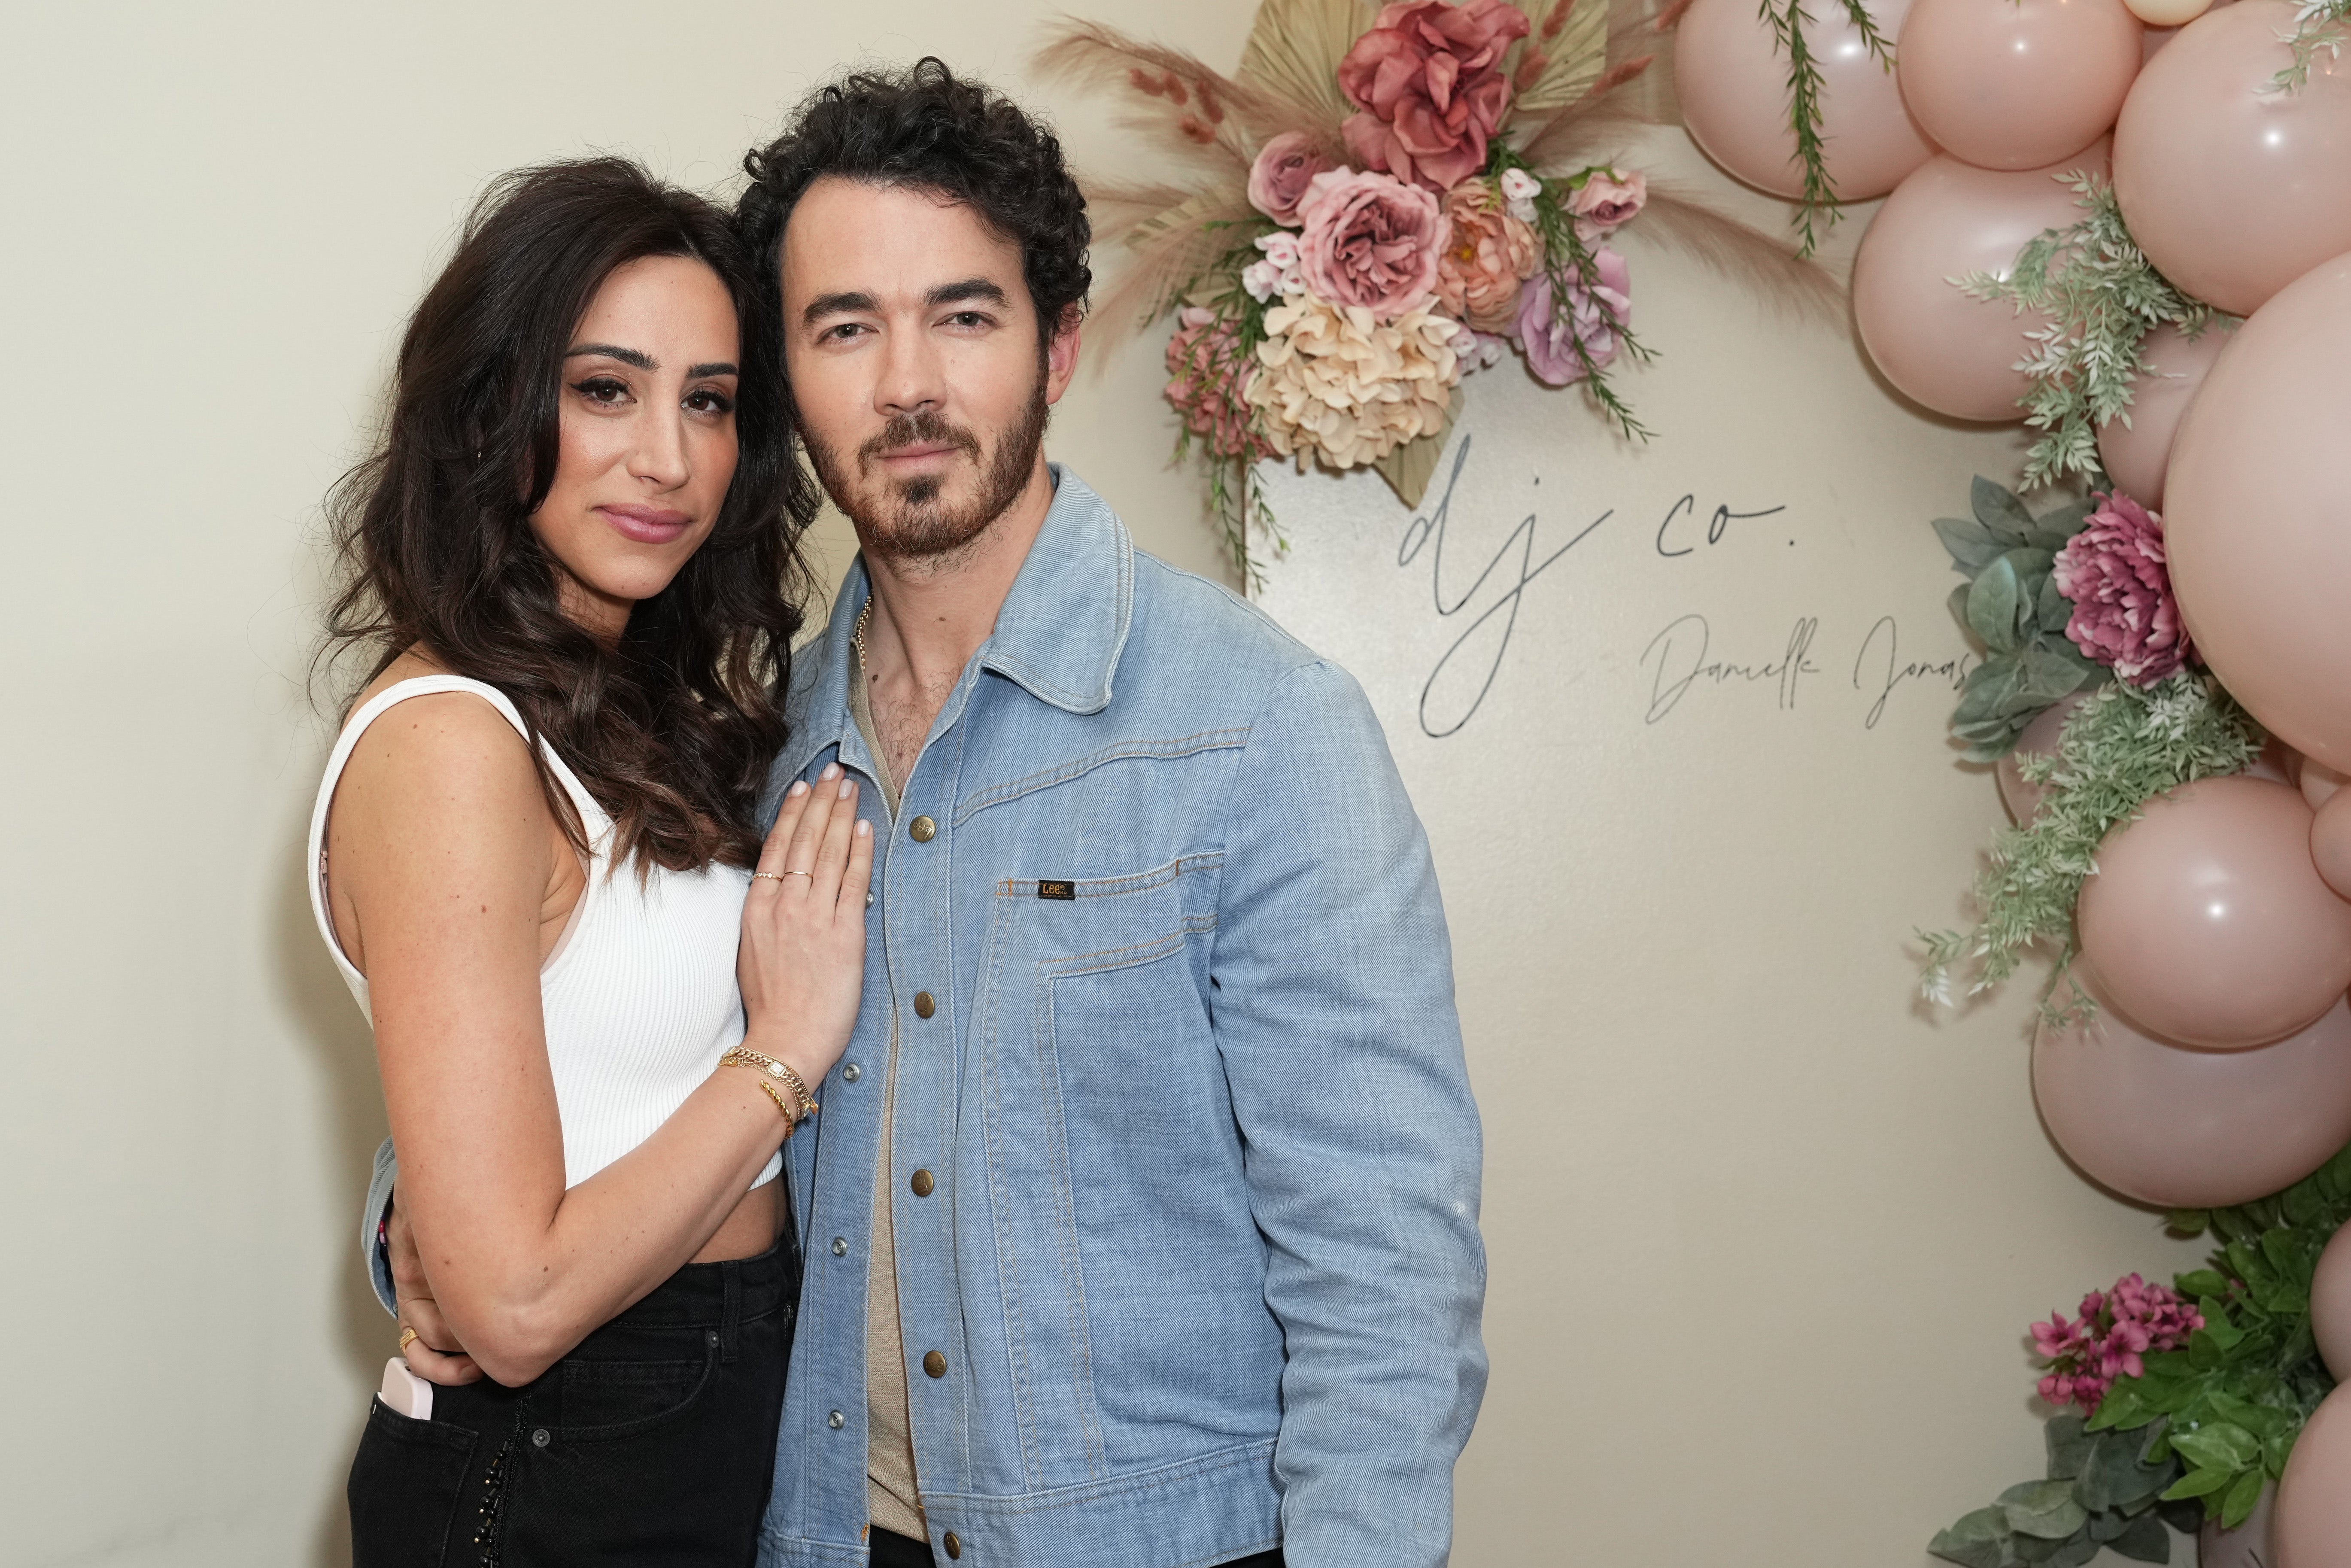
(636, 356)
(714, 367)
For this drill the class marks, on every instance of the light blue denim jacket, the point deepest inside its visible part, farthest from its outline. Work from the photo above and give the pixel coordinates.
(1200, 1251)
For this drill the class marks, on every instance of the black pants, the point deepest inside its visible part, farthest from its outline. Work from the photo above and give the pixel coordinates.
(893, 1551)
(651, 1444)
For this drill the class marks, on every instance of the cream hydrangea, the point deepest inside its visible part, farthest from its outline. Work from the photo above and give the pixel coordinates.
(1337, 384)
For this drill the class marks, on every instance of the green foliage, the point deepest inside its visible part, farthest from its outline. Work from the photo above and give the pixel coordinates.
(1788, 19)
(1564, 252)
(2009, 606)
(2203, 1428)
(2318, 29)
(2103, 1493)
(2122, 748)
(2102, 299)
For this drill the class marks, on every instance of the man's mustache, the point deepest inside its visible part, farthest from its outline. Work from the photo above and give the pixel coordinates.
(922, 427)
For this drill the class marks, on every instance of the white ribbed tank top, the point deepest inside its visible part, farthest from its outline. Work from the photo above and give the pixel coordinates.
(639, 997)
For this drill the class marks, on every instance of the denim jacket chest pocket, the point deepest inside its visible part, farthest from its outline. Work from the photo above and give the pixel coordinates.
(1099, 1084)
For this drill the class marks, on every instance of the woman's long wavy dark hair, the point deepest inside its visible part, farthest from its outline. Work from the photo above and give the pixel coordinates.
(672, 729)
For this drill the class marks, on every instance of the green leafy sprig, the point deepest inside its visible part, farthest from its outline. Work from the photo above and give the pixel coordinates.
(2103, 1493)
(2318, 29)
(1788, 19)
(2102, 298)
(2012, 606)
(1565, 253)
(2122, 748)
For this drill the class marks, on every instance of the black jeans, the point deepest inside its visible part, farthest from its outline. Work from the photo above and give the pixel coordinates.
(651, 1444)
(891, 1551)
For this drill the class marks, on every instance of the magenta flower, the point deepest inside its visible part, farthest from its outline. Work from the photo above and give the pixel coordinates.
(1370, 240)
(1429, 79)
(2118, 1329)
(2125, 614)
(1596, 316)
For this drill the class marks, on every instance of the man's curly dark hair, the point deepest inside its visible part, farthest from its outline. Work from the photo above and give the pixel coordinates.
(926, 128)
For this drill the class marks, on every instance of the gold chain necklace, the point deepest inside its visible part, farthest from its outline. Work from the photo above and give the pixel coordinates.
(857, 636)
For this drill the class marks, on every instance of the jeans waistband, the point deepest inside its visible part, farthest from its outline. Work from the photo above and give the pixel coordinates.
(717, 1295)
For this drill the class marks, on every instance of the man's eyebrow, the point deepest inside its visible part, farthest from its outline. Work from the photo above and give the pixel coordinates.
(825, 304)
(978, 288)
(636, 356)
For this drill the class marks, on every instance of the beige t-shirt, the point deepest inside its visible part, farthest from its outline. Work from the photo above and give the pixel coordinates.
(894, 1499)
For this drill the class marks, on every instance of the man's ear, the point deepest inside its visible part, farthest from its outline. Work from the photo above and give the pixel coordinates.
(1061, 352)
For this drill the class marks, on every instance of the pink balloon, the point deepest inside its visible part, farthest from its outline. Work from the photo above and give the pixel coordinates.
(1733, 88)
(2192, 1129)
(2255, 524)
(2017, 84)
(2318, 783)
(2235, 190)
(2207, 922)
(2330, 1305)
(2311, 1526)
(1947, 350)
(2135, 455)
(2039, 739)
(2330, 843)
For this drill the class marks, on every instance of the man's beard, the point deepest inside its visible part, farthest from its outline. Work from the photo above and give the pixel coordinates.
(908, 520)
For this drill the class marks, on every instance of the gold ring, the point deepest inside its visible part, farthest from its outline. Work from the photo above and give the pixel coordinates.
(407, 1335)
(771, 876)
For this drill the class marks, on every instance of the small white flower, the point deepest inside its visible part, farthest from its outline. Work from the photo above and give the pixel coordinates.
(1519, 190)
(1478, 350)
(1281, 248)
(1263, 279)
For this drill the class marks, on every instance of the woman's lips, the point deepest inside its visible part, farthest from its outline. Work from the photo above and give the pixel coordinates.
(647, 525)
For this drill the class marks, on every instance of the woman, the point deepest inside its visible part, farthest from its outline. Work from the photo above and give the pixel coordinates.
(535, 843)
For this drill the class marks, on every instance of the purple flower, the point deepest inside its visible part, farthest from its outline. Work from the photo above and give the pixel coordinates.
(1595, 317)
(2125, 614)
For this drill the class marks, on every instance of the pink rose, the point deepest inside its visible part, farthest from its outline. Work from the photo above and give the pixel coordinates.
(1490, 252)
(1428, 80)
(1280, 174)
(1594, 317)
(2123, 613)
(1607, 198)
(1207, 376)
(1370, 241)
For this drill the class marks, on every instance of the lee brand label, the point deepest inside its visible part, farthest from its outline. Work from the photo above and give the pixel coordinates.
(1067, 891)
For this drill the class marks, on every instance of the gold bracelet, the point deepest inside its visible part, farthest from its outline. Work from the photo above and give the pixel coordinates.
(791, 1122)
(736, 1056)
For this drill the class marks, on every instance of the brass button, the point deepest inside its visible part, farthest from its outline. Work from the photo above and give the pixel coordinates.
(955, 1547)
(922, 829)
(924, 1005)
(922, 1184)
(935, 1363)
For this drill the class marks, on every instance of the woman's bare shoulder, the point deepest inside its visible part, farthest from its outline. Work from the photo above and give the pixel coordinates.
(438, 751)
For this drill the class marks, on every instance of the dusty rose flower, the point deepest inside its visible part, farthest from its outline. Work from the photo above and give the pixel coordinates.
(1280, 174)
(1207, 372)
(1428, 80)
(1594, 316)
(1343, 387)
(1370, 241)
(1489, 256)
(1607, 198)
(2123, 613)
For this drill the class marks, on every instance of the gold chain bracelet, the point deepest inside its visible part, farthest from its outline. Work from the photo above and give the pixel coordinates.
(736, 1056)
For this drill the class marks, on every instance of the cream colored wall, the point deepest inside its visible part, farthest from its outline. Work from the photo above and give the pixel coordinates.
(1747, 1216)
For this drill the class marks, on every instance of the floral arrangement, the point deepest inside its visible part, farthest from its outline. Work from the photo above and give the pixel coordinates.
(1397, 200)
(2184, 1411)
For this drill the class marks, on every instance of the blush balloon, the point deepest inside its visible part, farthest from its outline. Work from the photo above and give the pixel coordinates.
(2180, 1128)
(2319, 782)
(2233, 188)
(2255, 526)
(2017, 84)
(2330, 1305)
(1939, 345)
(2168, 14)
(2312, 1525)
(1733, 89)
(2039, 739)
(2135, 455)
(2330, 843)
(2207, 922)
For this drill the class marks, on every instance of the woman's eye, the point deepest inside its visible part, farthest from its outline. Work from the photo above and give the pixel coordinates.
(601, 390)
(705, 399)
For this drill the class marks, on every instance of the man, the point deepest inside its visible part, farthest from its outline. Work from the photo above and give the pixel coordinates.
(1141, 1216)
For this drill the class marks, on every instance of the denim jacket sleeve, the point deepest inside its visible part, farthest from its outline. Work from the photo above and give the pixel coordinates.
(1335, 1018)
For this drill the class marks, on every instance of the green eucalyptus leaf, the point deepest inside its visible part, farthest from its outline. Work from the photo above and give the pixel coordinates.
(1978, 1541)
(2143, 1540)
(1957, 603)
(2238, 1506)
(2047, 672)
(2069, 1446)
(1997, 508)
(2116, 1478)
(2073, 1553)
(2055, 610)
(2043, 1510)
(1992, 606)
(1970, 543)
(2196, 1484)
(1989, 692)
(2052, 529)
(2219, 1445)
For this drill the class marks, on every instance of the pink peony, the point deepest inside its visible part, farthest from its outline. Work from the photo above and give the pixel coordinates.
(2124, 612)
(1594, 317)
(1428, 80)
(1280, 177)
(1607, 198)
(1370, 241)
(2118, 1329)
(1208, 375)
(1489, 255)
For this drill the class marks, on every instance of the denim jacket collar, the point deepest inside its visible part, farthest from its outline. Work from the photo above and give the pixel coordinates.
(1058, 636)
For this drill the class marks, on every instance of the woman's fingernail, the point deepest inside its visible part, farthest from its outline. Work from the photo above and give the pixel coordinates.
(832, 770)
(865, 830)
(798, 789)
(847, 789)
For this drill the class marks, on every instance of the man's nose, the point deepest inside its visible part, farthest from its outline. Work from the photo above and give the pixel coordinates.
(913, 375)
